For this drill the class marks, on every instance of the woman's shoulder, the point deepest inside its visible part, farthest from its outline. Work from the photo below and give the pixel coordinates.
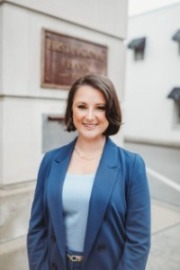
(56, 152)
(128, 157)
(133, 166)
(128, 154)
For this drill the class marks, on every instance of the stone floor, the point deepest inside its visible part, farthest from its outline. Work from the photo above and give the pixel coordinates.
(165, 248)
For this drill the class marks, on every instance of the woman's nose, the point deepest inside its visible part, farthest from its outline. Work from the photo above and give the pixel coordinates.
(90, 114)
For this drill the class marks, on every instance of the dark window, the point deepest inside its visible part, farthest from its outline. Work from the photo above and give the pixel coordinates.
(175, 95)
(176, 38)
(53, 132)
(138, 46)
(177, 105)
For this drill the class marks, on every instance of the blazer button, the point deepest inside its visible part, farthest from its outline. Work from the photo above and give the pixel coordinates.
(54, 267)
(101, 247)
(53, 238)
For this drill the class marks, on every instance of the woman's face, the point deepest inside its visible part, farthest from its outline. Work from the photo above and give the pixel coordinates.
(89, 112)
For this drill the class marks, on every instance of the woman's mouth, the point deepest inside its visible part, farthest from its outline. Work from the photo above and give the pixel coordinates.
(90, 126)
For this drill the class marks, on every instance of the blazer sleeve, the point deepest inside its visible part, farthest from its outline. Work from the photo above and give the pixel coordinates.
(37, 233)
(137, 244)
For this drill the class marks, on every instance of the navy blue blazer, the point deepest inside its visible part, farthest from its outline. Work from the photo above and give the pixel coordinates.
(118, 227)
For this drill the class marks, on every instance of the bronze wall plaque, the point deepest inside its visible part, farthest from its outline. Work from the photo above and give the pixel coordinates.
(66, 58)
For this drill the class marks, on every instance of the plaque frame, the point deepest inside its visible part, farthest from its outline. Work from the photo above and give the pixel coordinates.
(92, 60)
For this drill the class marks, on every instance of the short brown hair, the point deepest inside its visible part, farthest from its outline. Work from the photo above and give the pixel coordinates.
(103, 84)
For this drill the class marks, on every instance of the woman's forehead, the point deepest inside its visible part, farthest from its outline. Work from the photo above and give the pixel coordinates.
(87, 92)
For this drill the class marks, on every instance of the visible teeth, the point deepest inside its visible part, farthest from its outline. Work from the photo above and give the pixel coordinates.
(89, 125)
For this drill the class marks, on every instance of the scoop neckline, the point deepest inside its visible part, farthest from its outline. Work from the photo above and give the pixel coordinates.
(80, 175)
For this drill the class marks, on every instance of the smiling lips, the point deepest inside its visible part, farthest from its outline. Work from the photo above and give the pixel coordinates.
(90, 126)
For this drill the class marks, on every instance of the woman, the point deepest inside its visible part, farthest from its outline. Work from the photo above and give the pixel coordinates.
(91, 209)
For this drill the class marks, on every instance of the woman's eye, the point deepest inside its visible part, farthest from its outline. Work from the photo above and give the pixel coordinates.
(101, 108)
(81, 107)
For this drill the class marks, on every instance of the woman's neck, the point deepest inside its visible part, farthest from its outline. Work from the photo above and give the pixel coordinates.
(90, 146)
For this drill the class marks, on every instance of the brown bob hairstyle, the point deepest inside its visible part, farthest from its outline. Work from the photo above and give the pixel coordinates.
(103, 84)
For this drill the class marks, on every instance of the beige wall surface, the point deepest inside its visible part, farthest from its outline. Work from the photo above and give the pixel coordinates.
(150, 115)
(1, 34)
(1, 141)
(108, 16)
(22, 51)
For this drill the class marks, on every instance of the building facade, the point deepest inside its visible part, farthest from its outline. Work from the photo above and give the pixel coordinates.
(30, 108)
(152, 96)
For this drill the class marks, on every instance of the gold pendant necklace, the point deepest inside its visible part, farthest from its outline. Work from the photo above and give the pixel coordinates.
(84, 157)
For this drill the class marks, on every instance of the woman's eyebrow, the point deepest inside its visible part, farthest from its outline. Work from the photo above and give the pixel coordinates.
(97, 104)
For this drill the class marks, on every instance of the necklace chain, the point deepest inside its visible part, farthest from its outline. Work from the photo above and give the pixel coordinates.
(84, 157)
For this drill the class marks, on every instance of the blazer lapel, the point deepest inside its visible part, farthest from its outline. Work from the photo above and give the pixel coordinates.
(54, 195)
(101, 193)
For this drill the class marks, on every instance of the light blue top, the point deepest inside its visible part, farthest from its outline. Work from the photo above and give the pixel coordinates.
(76, 196)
